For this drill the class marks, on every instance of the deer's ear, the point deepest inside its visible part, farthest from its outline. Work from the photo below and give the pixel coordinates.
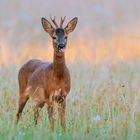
(47, 26)
(71, 25)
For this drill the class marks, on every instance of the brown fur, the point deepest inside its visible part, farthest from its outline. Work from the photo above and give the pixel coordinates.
(45, 82)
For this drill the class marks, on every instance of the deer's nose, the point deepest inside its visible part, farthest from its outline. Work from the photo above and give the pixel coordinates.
(62, 45)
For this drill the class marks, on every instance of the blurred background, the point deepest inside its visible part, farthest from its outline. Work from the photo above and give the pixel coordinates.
(107, 30)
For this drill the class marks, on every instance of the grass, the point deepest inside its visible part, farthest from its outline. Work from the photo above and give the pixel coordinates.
(104, 104)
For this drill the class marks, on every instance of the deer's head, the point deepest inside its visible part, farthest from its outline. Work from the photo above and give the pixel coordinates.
(58, 33)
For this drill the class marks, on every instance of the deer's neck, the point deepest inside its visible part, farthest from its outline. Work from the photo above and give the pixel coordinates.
(59, 63)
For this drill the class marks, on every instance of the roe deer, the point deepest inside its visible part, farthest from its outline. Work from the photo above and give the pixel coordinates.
(46, 82)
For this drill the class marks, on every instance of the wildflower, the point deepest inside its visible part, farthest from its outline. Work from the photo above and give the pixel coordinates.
(97, 118)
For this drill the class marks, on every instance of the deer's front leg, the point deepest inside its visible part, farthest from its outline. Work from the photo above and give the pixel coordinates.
(37, 111)
(61, 111)
(51, 115)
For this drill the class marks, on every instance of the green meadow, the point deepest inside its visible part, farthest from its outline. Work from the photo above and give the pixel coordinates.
(103, 104)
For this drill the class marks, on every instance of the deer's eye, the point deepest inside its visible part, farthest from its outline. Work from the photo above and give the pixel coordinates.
(66, 37)
(54, 37)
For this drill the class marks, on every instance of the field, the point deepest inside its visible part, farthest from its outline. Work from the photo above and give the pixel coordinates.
(102, 54)
(104, 104)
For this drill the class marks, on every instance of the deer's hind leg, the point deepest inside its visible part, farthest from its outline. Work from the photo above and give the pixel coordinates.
(23, 98)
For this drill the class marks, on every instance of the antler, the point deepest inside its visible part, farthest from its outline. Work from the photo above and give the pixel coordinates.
(54, 22)
(62, 21)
